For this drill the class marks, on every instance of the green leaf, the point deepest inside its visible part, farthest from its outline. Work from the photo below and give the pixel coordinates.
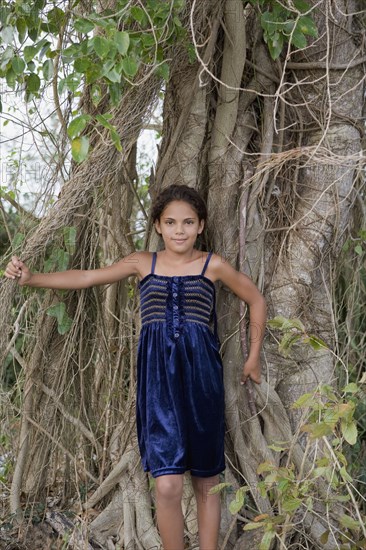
(114, 93)
(324, 537)
(10, 78)
(113, 75)
(345, 475)
(236, 504)
(349, 431)
(164, 70)
(306, 400)
(62, 259)
(116, 140)
(64, 322)
(129, 66)
(33, 83)
(301, 5)
(358, 249)
(21, 28)
(70, 238)
(96, 94)
(29, 53)
(17, 240)
(139, 15)
(47, 69)
(103, 120)
(122, 40)
(18, 65)
(351, 388)
(275, 46)
(101, 46)
(287, 341)
(251, 526)
(266, 467)
(71, 82)
(93, 73)
(7, 34)
(82, 64)
(298, 39)
(318, 430)
(291, 504)
(315, 342)
(77, 125)
(83, 25)
(306, 25)
(266, 541)
(80, 148)
(349, 522)
(218, 488)
(56, 17)
(281, 323)
(283, 484)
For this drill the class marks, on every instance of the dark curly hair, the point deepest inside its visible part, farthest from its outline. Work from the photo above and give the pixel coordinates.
(178, 193)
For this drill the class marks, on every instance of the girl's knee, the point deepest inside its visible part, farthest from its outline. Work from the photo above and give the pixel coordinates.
(203, 485)
(169, 486)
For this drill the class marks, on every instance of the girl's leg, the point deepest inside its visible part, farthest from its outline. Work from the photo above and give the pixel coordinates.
(208, 511)
(169, 491)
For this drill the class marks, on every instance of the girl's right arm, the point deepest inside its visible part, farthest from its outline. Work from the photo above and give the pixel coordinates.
(73, 279)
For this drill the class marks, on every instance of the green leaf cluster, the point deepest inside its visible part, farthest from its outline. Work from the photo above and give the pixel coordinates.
(106, 47)
(283, 25)
(294, 332)
(291, 492)
(102, 49)
(330, 414)
(64, 322)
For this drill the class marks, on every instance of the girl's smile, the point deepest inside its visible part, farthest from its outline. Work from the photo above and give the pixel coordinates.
(179, 225)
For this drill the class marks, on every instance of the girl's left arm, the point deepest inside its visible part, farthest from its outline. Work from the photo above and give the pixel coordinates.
(245, 289)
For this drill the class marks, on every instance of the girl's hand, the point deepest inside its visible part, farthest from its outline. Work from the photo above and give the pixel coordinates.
(252, 370)
(16, 269)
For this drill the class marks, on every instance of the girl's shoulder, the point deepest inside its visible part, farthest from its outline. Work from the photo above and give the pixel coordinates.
(143, 259)
(220, 267)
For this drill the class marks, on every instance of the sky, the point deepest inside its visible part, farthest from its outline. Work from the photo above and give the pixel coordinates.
(27, 150)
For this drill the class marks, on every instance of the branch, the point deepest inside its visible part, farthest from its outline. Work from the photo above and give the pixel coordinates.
(18, 207)
(75, 421)
(110, 481)
(233, 63)
(320, 65)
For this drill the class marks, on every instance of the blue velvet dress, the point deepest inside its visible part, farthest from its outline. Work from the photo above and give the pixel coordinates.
(180, 391)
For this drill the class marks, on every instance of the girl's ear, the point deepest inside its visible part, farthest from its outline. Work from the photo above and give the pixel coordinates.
(157, 227)
(201, 226)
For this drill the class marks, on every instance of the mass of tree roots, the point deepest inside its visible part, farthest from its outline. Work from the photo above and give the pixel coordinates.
(276, 149)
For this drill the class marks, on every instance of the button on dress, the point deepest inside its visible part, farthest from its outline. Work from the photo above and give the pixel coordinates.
(180, 391)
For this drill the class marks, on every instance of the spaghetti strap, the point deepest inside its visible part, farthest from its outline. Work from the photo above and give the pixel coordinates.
(153, 262)
(206, 263)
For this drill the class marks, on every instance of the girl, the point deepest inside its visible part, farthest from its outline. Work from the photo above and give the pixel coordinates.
(180, 394)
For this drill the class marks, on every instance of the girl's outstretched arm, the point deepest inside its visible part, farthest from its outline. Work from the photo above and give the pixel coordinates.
(246, 290)
(73, 279)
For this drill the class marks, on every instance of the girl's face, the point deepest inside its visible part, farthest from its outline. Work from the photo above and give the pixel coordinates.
(179, 226)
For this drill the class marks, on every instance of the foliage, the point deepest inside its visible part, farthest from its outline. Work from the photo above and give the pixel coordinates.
(285, 23)
(328, 417)
(103, 51)
(293, 332)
